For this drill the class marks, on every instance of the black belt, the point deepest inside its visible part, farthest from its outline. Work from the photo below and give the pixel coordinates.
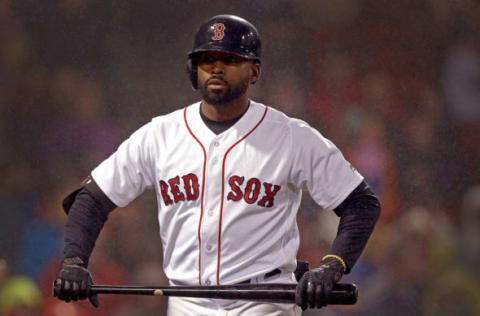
(266, 276)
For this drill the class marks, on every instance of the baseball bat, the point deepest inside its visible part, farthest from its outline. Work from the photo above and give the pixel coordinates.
(342, 293)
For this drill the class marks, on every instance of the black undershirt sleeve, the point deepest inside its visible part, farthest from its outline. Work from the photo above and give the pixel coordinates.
(358, 214)
(88, 209)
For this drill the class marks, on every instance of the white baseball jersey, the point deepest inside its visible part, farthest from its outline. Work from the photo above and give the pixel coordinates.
(227, 203)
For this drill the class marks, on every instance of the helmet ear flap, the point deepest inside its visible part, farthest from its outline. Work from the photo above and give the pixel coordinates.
(192, 73)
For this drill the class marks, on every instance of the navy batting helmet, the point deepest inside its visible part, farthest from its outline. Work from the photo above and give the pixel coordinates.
(224, 33)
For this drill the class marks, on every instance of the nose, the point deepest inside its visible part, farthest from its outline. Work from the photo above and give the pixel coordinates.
(218, 67)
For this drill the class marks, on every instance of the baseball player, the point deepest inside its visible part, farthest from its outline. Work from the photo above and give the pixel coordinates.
(228, 173)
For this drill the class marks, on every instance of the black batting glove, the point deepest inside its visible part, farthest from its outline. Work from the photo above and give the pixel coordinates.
(73, 282)
(316, 285)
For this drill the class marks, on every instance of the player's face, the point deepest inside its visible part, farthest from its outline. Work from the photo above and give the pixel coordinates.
(224, 77)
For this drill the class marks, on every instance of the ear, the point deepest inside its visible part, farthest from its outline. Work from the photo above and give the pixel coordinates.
(192, 73)
(254, 72)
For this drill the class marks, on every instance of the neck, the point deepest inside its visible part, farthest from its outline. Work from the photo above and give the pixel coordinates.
(225, 112)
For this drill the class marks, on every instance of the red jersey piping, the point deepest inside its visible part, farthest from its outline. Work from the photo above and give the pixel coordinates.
(223, 190)
(201, 199)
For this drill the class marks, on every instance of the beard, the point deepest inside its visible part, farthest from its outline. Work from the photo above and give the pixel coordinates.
(217, 98)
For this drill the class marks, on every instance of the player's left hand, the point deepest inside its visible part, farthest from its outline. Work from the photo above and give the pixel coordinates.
(315, 286)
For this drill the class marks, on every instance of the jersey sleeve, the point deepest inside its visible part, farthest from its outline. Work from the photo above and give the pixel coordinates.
(127, 172)
(319, 167)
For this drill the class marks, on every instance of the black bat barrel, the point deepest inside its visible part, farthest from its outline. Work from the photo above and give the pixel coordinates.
(343, 294)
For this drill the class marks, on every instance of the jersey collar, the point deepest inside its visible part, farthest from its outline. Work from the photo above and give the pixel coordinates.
(244, 125)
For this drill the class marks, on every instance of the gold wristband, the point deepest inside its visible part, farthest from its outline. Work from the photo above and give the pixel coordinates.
(339, 259)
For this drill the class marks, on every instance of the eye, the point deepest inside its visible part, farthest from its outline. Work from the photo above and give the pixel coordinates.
(232, 59)
(206, 59)
(229, 59)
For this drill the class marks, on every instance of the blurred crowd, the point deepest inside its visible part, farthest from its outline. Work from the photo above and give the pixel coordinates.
(395, 85)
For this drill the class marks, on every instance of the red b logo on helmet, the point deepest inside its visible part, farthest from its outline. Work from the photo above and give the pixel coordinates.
(219, 31)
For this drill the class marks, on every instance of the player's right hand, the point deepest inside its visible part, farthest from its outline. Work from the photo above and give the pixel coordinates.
(73, 282)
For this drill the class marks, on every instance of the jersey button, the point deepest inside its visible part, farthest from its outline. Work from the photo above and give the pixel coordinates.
(214, 160)
(216, 144)
(208, 282)
(210, 213)
(209, 247)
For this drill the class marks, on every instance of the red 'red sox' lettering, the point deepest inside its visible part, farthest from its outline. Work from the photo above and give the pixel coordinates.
(173, 188)
(236, 193)
(191, 186)
(177, 195)
(164, 190)
(186, 188)
(267, 200)
(252, 191)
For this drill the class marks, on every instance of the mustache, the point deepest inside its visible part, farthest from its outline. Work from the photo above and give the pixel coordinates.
(216, 78)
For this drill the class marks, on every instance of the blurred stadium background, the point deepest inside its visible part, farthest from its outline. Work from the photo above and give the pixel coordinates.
(395, 84)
